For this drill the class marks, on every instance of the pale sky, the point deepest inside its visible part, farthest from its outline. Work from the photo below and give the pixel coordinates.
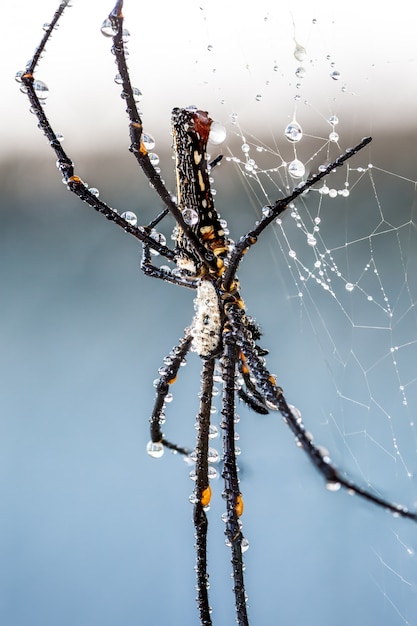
(373, 48)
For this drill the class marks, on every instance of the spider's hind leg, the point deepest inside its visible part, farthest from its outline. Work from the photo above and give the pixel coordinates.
(172, 362)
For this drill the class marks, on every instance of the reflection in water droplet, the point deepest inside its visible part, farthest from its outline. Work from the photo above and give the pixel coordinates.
(258, 97)
(333, 119)
(334, 136)
(300, 72)
(335, 75)
(293, 132)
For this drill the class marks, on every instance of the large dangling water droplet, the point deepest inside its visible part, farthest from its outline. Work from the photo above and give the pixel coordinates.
(217, 133)
(41, 90)
(190, 217)
(300, 52)
(155, 449)
(107, 29)
(296, 169)
(293, 132)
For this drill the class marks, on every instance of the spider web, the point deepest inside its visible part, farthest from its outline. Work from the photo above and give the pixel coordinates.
(345, 263)
(333, 285)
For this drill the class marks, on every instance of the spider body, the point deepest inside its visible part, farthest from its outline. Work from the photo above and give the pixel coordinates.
(221, 332)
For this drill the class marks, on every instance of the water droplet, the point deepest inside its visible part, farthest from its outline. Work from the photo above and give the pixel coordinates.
(293, 132)
(213, 456)
(213, 431)
(18, 76)
(94, 191)
(212, 473)
(300, 72)
(118, 79)
(137, 94)
(335, 75)
(130, 217)
(155, 449)
(190, 217)
(233, 118)
(209, 47)
(334, 137)
(296, 169)
(292, 254)
(217, 133)
(332, 193)
(258, 97)
(244, 544)
(333, 119)
(245, 148)
(107, 29)
(154, 158)
(148, 141)
(349, 286)
(300, 52)
(333, 485)
(311, 240)
(125, 35)
(41, 90)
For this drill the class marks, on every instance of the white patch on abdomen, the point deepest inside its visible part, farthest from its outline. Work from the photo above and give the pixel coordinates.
(206, 325)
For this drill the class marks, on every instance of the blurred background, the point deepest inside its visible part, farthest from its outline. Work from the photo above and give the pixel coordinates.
(93, 531)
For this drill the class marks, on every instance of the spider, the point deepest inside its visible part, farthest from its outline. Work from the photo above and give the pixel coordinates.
(221, 332)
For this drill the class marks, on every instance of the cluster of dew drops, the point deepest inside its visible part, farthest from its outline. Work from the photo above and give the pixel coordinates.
(296, 169)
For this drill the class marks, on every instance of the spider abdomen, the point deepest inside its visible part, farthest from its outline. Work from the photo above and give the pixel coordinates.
(207, 323)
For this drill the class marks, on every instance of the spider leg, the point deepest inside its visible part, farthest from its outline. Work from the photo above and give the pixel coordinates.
(139, 150)
(202, 491)
(168, 376)
(30, 86)
(253, 398)
(164, 274)
(234, 501)
(274, 399)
